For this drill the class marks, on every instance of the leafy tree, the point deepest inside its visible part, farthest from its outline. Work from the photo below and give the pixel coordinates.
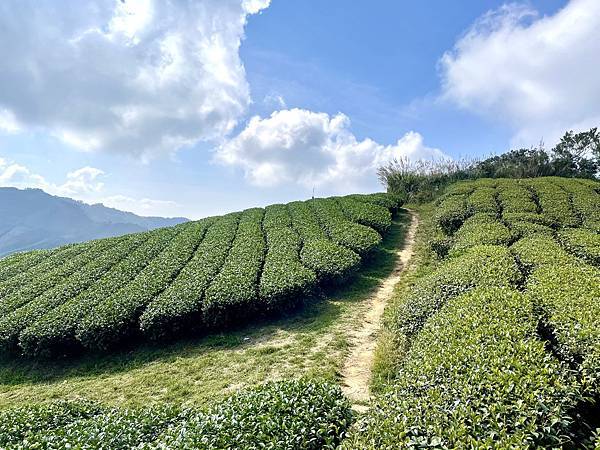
(577, 154)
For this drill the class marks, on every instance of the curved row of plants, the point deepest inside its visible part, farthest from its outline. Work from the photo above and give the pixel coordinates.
(279, 415)
(495, 343)
(194, 277)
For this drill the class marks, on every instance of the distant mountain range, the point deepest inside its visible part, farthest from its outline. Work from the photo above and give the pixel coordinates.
(32, 219)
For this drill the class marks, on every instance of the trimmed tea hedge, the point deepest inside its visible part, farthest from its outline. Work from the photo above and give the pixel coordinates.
(54, 332)
(179, 306)
(116, 317)
(476, 377)
(582, 243)
(194, 277)
(93, 269)
(300, 414)
(496, 346)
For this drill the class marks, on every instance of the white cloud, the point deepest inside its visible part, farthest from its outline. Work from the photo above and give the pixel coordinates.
(78, 184)
(142, 206)
(314, 149)
(142, 77)
(83, 184)
(8, 122)
(537, 74)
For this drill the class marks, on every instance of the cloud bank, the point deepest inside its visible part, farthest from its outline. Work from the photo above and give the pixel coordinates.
(313, 149)
(142, 77)
(536, 74)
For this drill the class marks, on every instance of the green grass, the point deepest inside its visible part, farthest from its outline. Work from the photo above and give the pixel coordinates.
(310, 341)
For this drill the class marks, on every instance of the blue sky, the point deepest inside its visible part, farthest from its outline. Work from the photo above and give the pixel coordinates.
(198, 108)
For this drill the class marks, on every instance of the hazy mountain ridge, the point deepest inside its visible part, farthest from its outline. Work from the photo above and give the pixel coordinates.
(32, 219)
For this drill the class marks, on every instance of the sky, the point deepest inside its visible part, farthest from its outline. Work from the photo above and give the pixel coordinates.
(200, 107)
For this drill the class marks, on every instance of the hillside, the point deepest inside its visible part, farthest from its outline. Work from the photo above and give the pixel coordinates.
(32, 219)
(192, 278)
(490, 339)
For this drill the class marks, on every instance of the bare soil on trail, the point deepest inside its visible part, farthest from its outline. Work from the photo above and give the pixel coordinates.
(356, 373)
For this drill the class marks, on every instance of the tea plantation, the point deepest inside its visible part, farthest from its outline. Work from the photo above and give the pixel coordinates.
(491, 340)
(192, 278)
(497, 342)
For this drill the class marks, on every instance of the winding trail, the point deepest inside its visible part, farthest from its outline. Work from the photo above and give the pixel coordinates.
(356, 373)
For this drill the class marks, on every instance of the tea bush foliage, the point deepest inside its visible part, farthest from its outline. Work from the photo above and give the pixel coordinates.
(192, 278)
(496, 341)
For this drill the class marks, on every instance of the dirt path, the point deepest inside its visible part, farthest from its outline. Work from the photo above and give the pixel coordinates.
(356, 374)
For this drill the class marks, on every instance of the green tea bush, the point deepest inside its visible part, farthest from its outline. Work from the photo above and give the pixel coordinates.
(192, 277)
(21, 289)
(585, 198)
(54, 332)
(389, 201)
(485, 265)
(476, 376)
(295, 414)
(114, 428)
(555, 202)
(452, 212)
(530, 229)
(284, 279)
(234, 290)
(540, 250)
(582, 243)
(116, 317)
(13, 323)
(514, 197)
(356, 237)
(483, 200)
(281, 415)
(330, 261)
(480, 230)
(20, 263)
(368, 214)
(179, 307)
(569, 295)
(19, 423)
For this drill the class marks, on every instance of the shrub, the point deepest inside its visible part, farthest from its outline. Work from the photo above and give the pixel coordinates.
(555, 203)
(356, 237)
(530, 229)
(540, 250)
(284, 280)
(569, 294)
(476, 376)
(582, 243)
(452, 212)
(483, 200)
(178, 309)
(485, 265)
(115, 318)
(514, 197)
(12, 324)
(24, 287)
(54, 332)
(17, 424)
(281, 415)
(371, 215)
(19, 263)
(114, 428)
(234, 290)
(480, 232)
(330, 261)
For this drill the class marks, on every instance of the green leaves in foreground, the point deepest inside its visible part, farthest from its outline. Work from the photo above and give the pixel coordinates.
(298, 414)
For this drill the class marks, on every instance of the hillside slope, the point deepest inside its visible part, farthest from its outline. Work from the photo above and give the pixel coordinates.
(190, 278)
(495, 342)
(32, 219)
